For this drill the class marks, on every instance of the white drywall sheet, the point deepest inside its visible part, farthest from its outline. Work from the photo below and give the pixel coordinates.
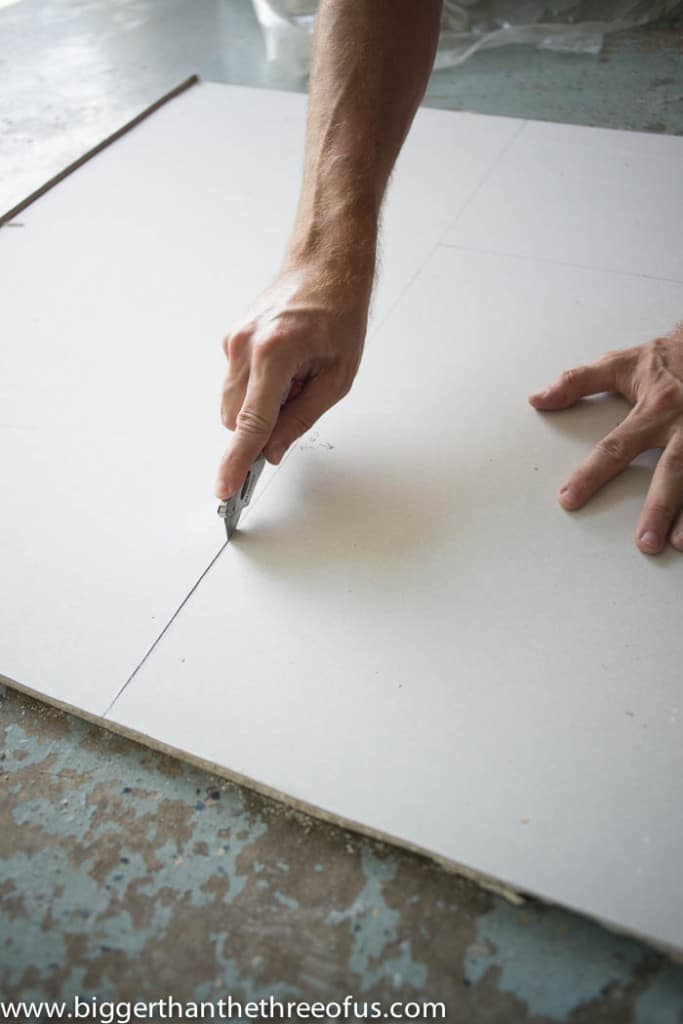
(409, 634)
(591, 197)
(116, 292)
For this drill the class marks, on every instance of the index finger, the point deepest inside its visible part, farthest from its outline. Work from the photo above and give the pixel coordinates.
(255, 422)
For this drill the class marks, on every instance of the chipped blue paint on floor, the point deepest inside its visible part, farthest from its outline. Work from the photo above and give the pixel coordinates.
(125, 874)
(661, 1002)
(557, 961)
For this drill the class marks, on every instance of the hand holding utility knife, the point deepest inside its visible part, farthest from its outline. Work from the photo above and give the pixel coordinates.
(230, 510)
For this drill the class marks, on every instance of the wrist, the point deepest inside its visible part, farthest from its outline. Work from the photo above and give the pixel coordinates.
(327, 244)
(342, 262)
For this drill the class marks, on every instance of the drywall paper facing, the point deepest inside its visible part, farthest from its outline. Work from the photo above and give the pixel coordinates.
(595, 197)
(117, 289)
(412, 636)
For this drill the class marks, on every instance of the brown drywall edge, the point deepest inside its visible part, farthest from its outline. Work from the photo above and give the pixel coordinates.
(490, 884)
(11, 214)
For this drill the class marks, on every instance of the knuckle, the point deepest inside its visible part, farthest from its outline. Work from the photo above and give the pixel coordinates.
(612, 448)
(263, 355)
(568, 378)
(274, 345)
(268, 349)
(673, 459)
(251, 423)
(663, 398)
(235, 343)
(618, 356)
(658, 510)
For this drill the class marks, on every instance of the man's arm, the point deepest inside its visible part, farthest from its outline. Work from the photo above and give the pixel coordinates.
(371, 63)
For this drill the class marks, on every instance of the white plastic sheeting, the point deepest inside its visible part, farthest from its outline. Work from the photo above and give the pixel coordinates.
(472, 25)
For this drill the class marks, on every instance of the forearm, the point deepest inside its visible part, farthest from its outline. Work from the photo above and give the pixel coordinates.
(371, 63)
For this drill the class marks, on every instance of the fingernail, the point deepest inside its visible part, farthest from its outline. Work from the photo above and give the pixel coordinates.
(569, 496)
(649, 540)
(678, 539)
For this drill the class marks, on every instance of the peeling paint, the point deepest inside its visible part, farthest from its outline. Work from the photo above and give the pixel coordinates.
(662, 1002)
(554, 961)
(374, 927)
(127, 874)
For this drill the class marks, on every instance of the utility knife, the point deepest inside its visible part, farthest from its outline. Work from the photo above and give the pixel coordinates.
(231, 509)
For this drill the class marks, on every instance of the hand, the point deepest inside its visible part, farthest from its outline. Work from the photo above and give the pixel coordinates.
(650, 376)
(307, 328)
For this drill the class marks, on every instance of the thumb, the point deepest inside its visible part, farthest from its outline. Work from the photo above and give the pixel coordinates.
(254, 426)
(576, 384)
(299, 414)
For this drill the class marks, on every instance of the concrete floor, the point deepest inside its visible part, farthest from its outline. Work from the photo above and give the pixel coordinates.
(73, 71)
(128, 875)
